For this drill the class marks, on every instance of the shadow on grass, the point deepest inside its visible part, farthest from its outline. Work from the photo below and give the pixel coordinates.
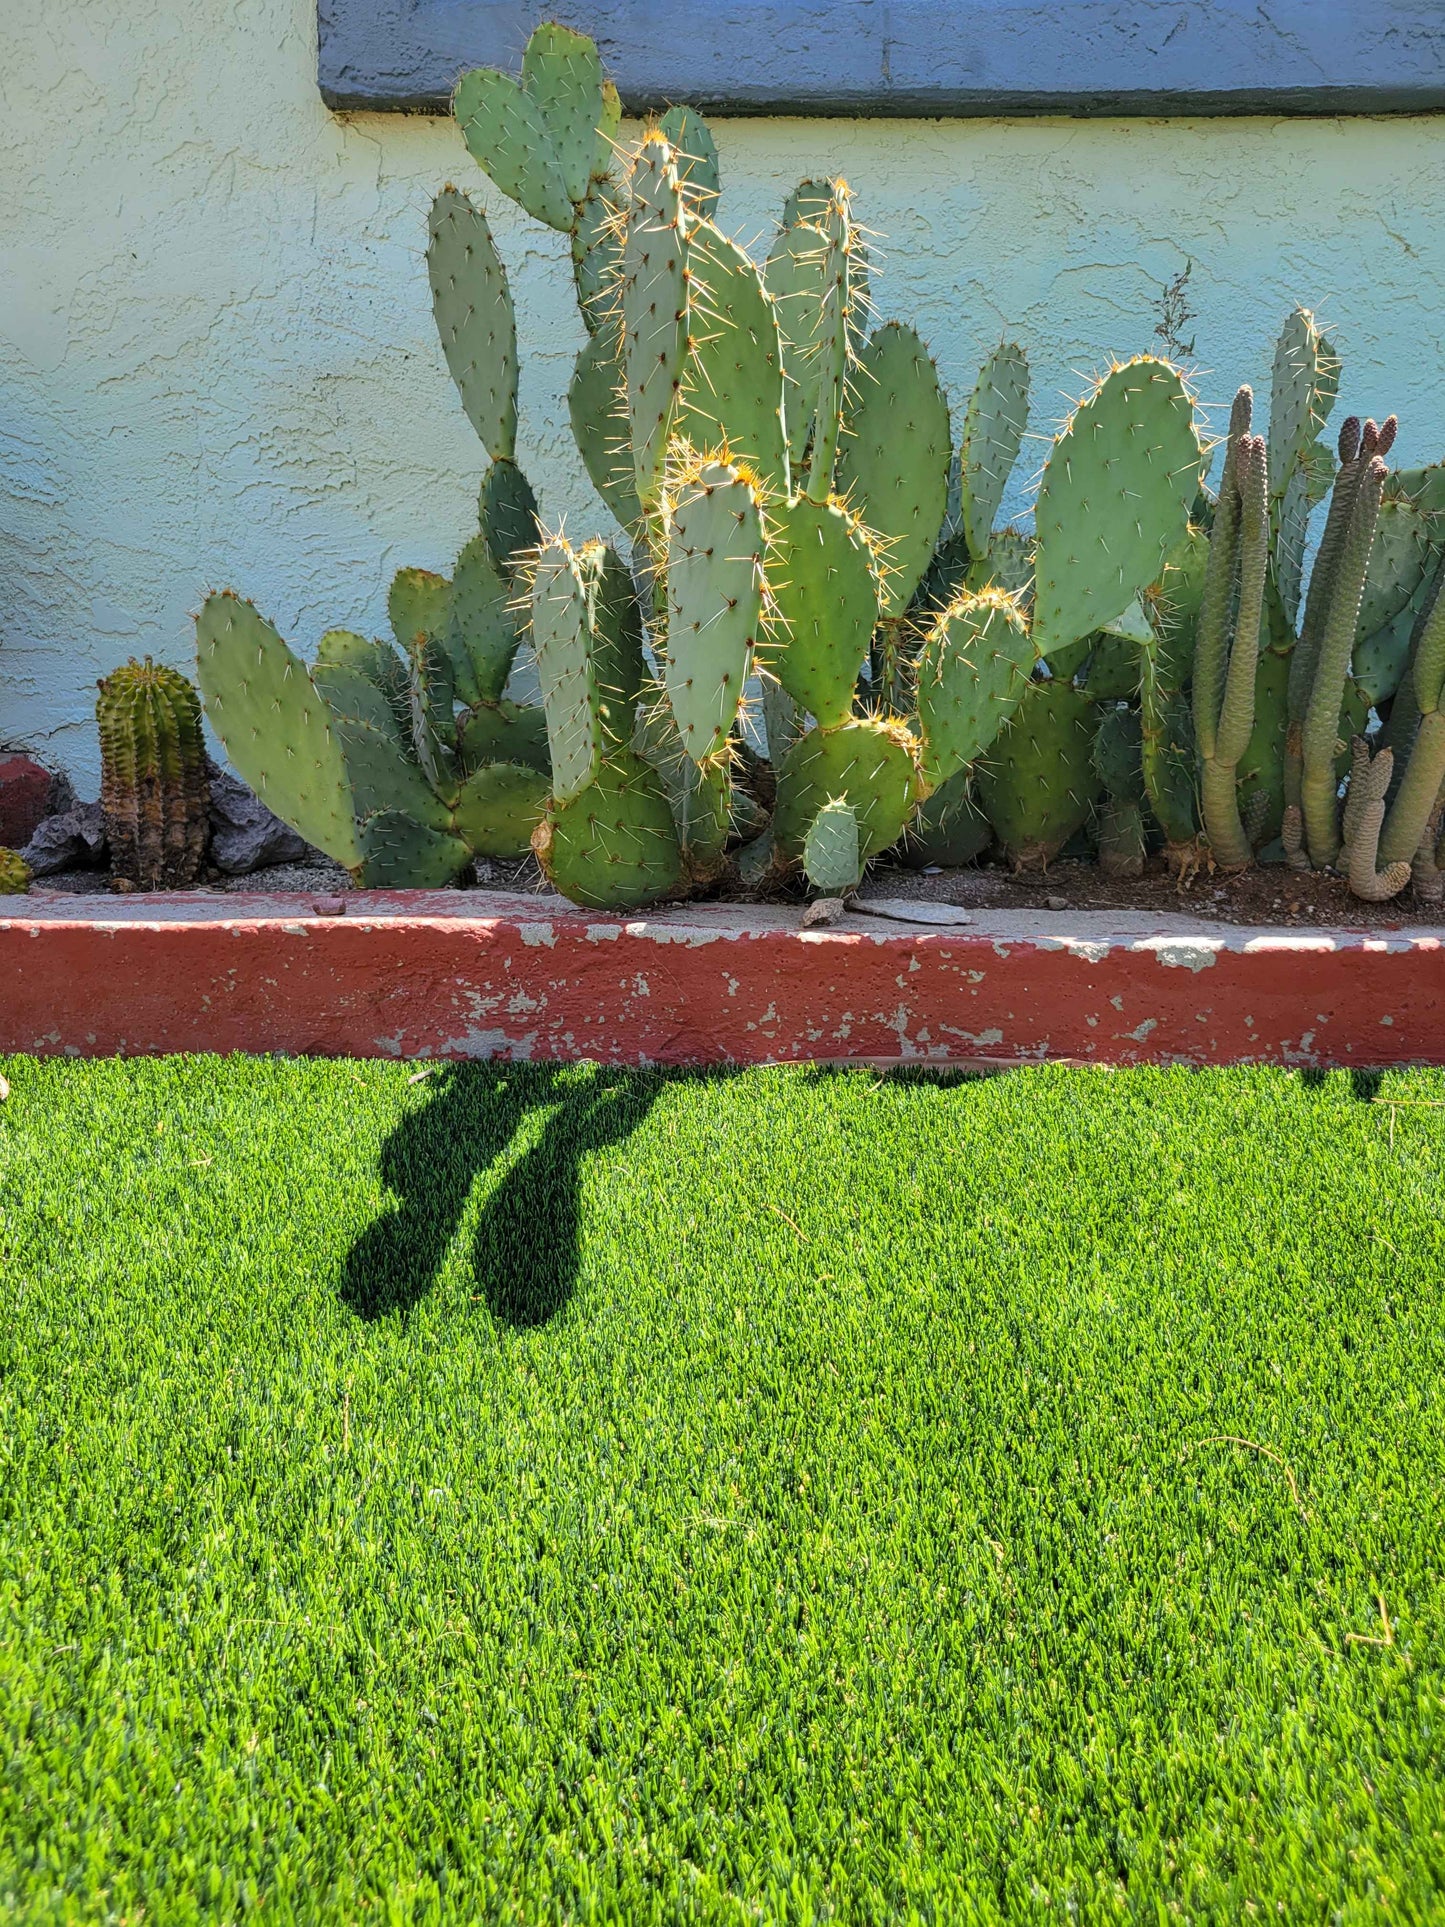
(1364, 1085)
(527, 1244)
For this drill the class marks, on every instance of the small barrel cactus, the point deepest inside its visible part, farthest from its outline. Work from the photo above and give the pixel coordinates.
(14, 874)
(152, 776)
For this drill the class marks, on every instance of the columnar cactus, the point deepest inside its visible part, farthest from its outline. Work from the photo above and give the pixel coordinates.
(153, 787)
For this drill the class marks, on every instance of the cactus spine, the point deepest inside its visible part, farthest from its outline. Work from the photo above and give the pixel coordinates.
(153, 787)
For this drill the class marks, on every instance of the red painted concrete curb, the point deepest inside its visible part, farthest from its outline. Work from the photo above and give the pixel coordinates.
(438, 974)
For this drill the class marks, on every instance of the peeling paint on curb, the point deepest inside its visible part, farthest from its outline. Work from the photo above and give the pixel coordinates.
(443, 974)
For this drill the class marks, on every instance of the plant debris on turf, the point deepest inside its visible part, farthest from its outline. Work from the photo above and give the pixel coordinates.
(526, 1493)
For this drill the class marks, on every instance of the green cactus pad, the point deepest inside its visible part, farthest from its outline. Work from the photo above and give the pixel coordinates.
(472, 303)
(655, 318)
(275, 725)
(950, 828)
(618, 662)
(597, 253)
(498, 808)
(507, 517)
(831, 861)
(1111, 673)
(993, 432)
(482, 624)
(714, 602)
(599, 423)
(973, 671)
(401, 854)
(809, 201)
(947, 578)
(1007, 564)
(419, 606)
(504, 732)
(16, 875)
(613, 846)
(824, 603)
(563, 74)
(1380, 660)
(562, 639)
(733, 383)
(1114, 501)
(794, 277)
(380, 763)
(1118, 755)
(506, 132)
(378, 662)
(1398, 560)
(894, 457)
(690, 138)
(1039, 785)
(868, 764)
(609, 124)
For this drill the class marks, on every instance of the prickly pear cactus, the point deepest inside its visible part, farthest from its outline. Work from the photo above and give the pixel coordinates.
(695, 156)
(153, 787)
(600, 424)
(1114, 501)
(539, 140)
(831, 859)
(571, 696)
(612, 846)
(823, 604)
(472, 302)
(894, 457)
(714, 600)
(993, 432)
(1040, 785)
(655, 310)
(950, 829)
(972, 674)
(15, 874)
(869, 764)
(732, 395)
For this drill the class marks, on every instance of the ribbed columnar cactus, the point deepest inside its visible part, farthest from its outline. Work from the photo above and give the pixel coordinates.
(153, 787)
(1227, 650)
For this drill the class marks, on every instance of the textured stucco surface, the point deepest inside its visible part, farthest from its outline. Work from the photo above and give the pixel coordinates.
(217, 362)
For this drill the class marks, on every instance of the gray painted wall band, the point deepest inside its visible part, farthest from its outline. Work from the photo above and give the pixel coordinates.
(919, 57)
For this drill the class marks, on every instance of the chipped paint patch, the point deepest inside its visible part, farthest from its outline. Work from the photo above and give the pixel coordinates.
(537, 935)
(1185, 953)
(603, 932)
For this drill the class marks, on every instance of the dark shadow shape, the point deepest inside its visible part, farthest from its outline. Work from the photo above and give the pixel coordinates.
(1364, 1085)
(527, 1247)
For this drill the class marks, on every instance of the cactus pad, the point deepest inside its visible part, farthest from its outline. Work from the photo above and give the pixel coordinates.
(871, 765)
(1114, 501)
(507, 516)
(796, 265)
(482, 619)
(472, 303)
(597, 253)
(695, 155)
(562, 639)
(612, 846)
(733, 382)
(617, 658)
(1397, 565)
(714, 601)
(498, 808)
(894, 457)
(563, 74)
(973, 671)
(398, 853)
(503, 732)
(951, 829)
(824, 603)
(655, 320)
(830, 850)
(538, 141)
(1039, 785)
(599, 424)
(275, 725)
(993, 431)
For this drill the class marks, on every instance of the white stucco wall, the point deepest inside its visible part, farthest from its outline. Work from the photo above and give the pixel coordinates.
(217, 362)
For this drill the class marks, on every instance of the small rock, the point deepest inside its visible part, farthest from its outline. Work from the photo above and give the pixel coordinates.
(74, 840)
(823, 910)
(1056, 903)
(905, 910)
(245, 835)
(330, 906)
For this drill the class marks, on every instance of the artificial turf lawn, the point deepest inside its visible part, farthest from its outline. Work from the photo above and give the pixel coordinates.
(531, 1494)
